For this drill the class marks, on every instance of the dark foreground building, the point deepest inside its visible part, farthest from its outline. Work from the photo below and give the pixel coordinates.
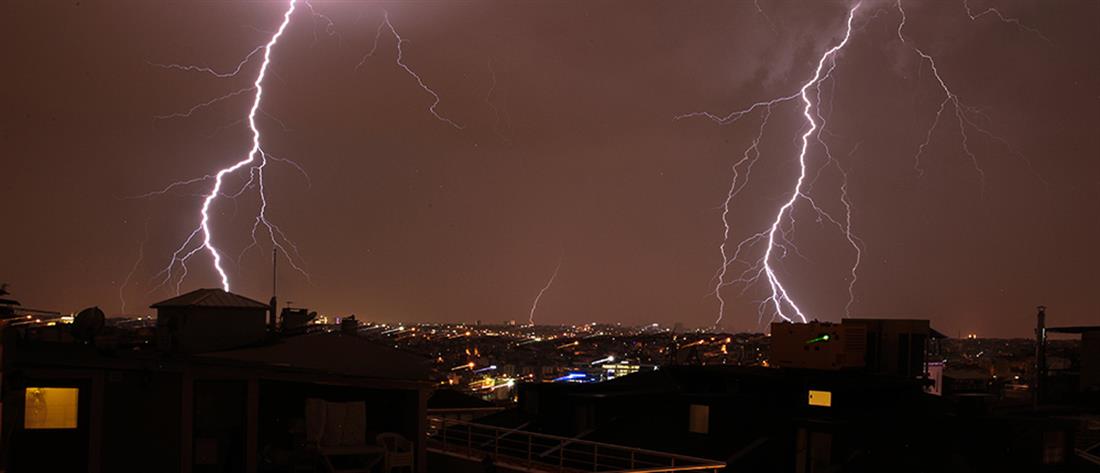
(214, 390)
(849, 397)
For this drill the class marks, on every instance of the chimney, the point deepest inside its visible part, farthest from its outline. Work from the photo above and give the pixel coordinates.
(349, 326)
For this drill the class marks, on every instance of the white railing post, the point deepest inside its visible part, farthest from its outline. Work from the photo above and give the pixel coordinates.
(561, 454)
(615, 462)
(528, 450)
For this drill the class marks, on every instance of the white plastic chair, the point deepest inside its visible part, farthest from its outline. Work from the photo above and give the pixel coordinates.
(399, 452)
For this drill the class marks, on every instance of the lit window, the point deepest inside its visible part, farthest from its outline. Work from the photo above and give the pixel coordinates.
(821, 398)
(699, 419)
(50, 408)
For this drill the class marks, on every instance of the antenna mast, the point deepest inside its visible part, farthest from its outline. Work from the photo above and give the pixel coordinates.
(273, 304)
(274, 270)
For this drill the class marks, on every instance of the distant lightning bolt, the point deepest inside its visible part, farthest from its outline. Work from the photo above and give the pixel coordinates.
(133, 269)
(535, 304)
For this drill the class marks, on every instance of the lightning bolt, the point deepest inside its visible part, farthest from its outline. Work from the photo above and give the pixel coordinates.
(549, 282)
(782, 302)
(201, 238)
(254, 154)
(776, 237)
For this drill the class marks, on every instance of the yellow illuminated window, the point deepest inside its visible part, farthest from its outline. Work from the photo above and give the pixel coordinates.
(821, 398)
(50, 408)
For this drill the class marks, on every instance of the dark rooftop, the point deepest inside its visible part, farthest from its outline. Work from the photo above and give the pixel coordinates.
(212, 298)
(334, 353)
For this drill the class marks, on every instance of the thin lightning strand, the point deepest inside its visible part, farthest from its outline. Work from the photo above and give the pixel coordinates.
(210, 70)
(760, 11)
(961, 111)
(846, 227)
(385, 24)
(949, 98)
(854, 241)
(489, 101)
(1004, 19)
(206, 104)
(133, 269)
(535, 304)
(748, 159)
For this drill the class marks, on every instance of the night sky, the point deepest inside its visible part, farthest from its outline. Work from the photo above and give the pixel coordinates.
(569, 149)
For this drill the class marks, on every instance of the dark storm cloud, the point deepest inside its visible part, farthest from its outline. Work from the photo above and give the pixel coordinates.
(410, 219)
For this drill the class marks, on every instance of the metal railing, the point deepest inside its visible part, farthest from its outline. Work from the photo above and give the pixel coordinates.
(518, 449)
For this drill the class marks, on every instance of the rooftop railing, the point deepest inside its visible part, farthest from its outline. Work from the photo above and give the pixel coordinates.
(534, 452)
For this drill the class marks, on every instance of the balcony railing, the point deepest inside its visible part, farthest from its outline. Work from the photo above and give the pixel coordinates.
(518, 449)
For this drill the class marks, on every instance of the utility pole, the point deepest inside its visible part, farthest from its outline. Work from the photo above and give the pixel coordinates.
(1040, 354)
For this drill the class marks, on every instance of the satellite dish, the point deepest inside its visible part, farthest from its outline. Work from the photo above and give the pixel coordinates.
(88, 323)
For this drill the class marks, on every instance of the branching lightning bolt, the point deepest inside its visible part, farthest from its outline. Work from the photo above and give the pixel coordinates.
(780, 294)
(963, 113)
(253, 153)
(949, 98)
(776, 238)
(781, 301)
(546, 287)
(255, 161)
